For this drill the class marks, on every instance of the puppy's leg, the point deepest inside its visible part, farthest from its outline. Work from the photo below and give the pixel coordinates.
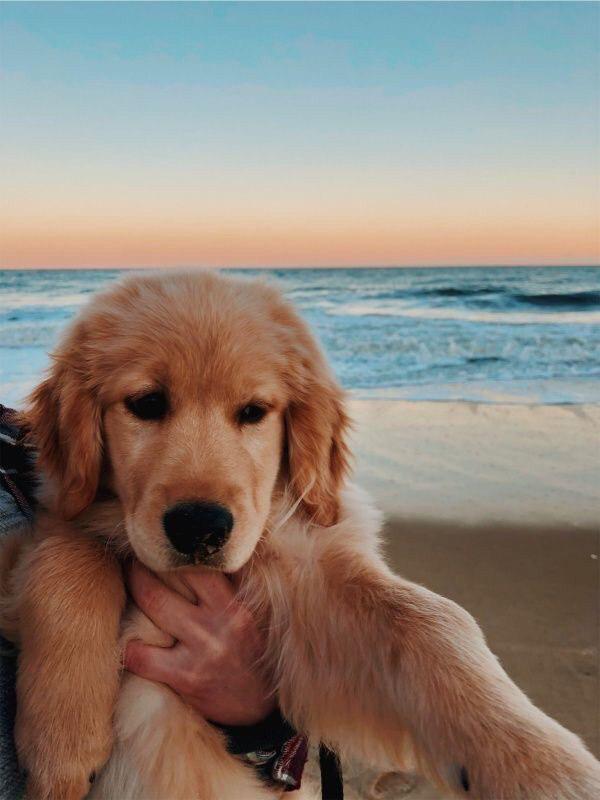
(367, 656)
(71, 602)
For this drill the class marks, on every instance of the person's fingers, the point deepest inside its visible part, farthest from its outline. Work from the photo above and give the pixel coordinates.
(184, 671)
(213, 589)
(148, 661)
(167, 609)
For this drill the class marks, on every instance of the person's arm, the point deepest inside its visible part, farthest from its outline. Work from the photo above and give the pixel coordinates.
(216, 669)
(16, 511)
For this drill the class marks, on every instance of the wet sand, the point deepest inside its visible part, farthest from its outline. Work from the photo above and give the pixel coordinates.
(472, 462)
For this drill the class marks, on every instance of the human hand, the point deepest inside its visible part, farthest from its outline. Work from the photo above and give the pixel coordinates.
(213, 663)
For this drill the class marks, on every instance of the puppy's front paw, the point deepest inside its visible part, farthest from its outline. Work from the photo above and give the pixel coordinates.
(547, 764)
(66, 787)
(576, 774)
(60, 767)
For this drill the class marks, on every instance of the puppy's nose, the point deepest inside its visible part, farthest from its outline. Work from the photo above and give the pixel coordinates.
(193, 527)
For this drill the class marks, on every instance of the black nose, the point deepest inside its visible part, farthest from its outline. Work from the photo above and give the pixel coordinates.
(198, 527)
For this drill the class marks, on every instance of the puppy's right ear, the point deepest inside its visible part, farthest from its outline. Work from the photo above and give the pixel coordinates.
(63, 423)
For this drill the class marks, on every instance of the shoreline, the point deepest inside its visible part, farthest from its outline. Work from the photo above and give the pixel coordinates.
(468, 463)
(379, 396)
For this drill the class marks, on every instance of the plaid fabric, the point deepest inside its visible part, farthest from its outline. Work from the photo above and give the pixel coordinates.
(16, 509)
(16, 475)
(289, 764)
(272, 746)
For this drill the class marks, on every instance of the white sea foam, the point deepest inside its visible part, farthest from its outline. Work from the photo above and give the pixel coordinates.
(13, 300)
(465, 315)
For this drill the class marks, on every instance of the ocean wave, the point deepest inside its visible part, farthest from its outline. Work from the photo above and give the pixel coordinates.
(499, 296)
(484, 359)
(467, 315)
(455, 291)
(564, 300)
(487, 297)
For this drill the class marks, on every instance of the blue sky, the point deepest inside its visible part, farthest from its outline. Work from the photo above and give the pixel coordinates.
(306, 131)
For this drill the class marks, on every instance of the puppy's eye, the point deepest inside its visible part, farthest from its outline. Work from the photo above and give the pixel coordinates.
(148, 406)
(251, 414)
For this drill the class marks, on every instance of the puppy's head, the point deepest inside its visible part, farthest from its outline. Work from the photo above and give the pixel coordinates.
(191, 397)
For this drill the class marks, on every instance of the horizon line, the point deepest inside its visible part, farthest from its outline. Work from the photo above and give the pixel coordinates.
(575, 265)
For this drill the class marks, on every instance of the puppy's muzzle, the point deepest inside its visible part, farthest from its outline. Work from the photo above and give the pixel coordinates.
(198, 530)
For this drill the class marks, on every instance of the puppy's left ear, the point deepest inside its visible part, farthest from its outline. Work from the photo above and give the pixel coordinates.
(318, 454)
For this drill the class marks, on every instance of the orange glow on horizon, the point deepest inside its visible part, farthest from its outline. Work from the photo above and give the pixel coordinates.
(499, 242)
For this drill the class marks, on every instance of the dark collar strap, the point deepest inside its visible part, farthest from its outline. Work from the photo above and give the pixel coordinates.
(271, 733)
(284, 752)
(332, 783)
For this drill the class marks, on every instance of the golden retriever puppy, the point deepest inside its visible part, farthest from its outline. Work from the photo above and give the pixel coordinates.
(191, 419)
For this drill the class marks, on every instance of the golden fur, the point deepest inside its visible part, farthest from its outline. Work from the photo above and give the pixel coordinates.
(380, 668)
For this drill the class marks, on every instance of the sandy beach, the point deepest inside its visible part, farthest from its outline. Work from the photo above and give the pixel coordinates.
(497, 507)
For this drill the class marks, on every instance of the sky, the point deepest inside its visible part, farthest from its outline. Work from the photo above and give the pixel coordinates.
(299, 134)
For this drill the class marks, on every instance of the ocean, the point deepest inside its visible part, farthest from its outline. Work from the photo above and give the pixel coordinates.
(516, 335)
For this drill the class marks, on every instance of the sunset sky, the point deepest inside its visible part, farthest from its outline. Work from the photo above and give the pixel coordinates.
(293, 134)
